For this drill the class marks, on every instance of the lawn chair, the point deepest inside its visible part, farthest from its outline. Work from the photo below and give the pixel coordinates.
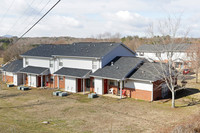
(111, 91)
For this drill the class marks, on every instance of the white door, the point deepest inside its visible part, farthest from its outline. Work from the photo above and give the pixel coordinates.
(98, 86)
(29, 80)
(15, 80)
(33, 81)
(70, 84)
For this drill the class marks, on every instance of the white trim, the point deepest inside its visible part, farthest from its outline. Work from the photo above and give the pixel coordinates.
(40, 57)
(152, 93)
(141, 80)
(84, 57)
(104, 77)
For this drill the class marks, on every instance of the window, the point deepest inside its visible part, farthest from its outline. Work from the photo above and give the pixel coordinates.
(170, 54)
(52, 78)
(94, 64)
(141, 53)
(113, 83)
(87, 83)
(51, 63)
(60, 62)
(47, 78)
(178, 64)
(158, 54)
(190, 54)
(26, 62)
(61, 78)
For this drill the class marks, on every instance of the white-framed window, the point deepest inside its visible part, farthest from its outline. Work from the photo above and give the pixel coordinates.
(141, 53)
(47, 78)
(170, 53)
(94, 64)
(26, 62)
(158, 54)
(52, 78)
(51, 63)
(113, 83)
(190, 54)
(60, 62)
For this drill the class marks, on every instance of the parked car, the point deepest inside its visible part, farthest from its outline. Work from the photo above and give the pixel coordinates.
(186, 71)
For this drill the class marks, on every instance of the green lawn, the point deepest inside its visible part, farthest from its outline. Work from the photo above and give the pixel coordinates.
(24, 111)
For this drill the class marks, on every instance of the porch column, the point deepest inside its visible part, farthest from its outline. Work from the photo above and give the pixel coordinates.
(121, 89)
(23, 78)
(5, 76)
(2, 74)
(83, 86)
(41, 81)
(30, 80)
(58, 82)
(53, 81)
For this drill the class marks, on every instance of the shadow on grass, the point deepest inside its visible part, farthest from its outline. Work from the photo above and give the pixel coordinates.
(23, 106)
(190, 101)
(186, 92)
(10, 95)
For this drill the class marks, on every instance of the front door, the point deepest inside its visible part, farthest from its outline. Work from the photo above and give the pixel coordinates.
(39, 81)
(105, 86)
(79, 85)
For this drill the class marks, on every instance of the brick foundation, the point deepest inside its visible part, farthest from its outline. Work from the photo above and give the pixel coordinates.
(7, 79)
(138, 94)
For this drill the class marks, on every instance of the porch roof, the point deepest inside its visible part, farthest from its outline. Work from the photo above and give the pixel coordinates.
(35, 70)
(13, 66)
(73, 72)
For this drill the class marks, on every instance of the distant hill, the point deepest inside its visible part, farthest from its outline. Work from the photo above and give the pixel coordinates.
(7, 36)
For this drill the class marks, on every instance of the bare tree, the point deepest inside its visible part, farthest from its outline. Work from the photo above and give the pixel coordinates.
(167, 39)
(193, 54)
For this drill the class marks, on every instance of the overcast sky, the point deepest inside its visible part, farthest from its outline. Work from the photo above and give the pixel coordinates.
(84, 18)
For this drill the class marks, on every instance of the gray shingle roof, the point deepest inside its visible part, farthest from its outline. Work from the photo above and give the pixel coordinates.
(163, 48)
(34, 70)
(121, 67)
(74, 72)
(148, 71)
(77, 49)
(14, 66)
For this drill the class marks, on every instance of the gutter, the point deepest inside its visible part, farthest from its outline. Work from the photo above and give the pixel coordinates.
(105, 77)
(24, 56)
(76, 57)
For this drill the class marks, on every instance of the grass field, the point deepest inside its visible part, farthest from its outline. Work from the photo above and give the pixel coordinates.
(24, 112)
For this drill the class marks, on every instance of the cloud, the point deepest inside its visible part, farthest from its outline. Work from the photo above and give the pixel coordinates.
(90, 17)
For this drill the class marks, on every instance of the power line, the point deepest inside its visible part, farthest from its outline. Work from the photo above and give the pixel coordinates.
(39, 20)
(31, 12)
(35, 16)
(20, 17)
(6, 12)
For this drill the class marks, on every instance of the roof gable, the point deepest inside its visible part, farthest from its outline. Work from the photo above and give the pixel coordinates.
(118, 68)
